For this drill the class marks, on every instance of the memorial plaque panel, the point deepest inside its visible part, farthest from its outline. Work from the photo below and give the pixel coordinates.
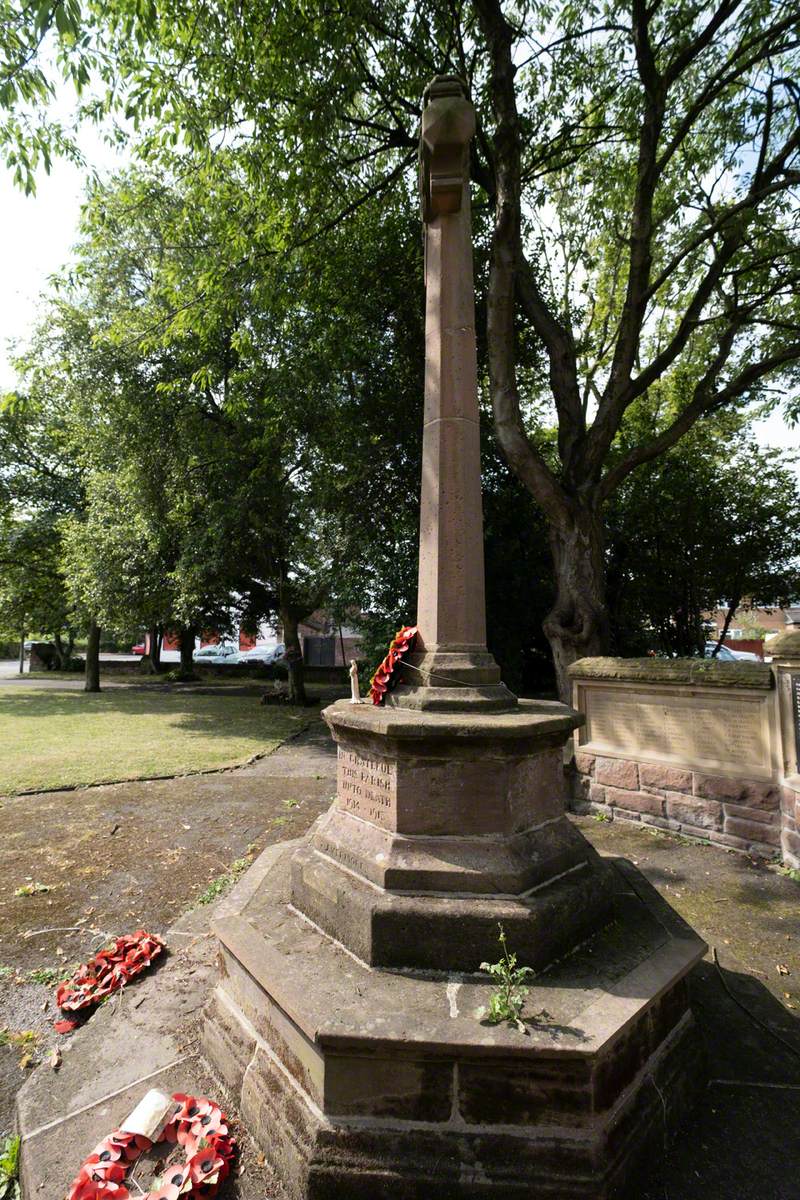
(795, 685)
(367, 787)
(724, 732)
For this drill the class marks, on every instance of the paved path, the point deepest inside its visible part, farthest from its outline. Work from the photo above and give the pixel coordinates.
(9, 673)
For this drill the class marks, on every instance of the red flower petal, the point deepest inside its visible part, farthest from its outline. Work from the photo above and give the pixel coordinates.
(109, 970)
(199, 1125)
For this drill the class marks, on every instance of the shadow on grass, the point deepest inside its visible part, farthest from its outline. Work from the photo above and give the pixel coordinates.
(55, 739)
(211, 714)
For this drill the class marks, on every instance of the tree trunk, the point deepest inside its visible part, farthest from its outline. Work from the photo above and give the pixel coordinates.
(151, 662)
(22, 652)
(294, 658)
(187, 649)
(63, 653)
(92, 677)
(578, 624)
(734, 604)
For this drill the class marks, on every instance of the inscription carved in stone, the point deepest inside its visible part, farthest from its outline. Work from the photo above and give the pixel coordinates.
(694, 730)
(367, 787)
(795, 685)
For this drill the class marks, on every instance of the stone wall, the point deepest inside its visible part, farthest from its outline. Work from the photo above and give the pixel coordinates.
(739, 813)
(690, 746)
(786, 669)
(790, 839)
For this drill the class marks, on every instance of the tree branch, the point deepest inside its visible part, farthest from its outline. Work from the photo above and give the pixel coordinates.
(641, 257)
(701, 404)
(508, 272)
(703, 39)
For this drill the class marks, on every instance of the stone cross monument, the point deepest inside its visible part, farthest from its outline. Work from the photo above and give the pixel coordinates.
(451, 667)
(346, 1016)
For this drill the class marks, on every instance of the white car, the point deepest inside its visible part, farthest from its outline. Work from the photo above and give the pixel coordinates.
(256, 656)
(222, 652)
(726, 654)
(262, 655)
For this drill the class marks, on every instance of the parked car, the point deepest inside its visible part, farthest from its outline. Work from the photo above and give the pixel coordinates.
(256, 656)
(222, 652)
(278, 653)
(140, 649)
(725, 654)
(262, 656)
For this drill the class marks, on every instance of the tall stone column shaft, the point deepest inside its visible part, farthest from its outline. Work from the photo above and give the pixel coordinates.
(451, 668)
(451, 609)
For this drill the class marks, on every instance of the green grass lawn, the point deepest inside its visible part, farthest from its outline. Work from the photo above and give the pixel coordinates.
(59, 738)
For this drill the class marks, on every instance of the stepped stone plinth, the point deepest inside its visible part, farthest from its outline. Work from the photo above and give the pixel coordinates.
(372, 1084)
(444, 825)
(346, 1016)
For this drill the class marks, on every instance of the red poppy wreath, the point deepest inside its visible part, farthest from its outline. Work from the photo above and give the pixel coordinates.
(198, 1125)
(106, 972)
(386, 676)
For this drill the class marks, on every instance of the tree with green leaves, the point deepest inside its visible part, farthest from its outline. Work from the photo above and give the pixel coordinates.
(650, 239)
(712, 520)
(41, 484)
(638, 165)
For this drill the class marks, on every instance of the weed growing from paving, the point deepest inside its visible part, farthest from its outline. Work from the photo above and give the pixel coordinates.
(508, 998)
(223, 882)
(9, 1168)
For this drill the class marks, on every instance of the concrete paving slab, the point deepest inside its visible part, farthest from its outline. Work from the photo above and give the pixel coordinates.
(148, 1039)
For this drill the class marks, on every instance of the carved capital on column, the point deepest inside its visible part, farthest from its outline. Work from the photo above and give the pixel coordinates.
(448, 125)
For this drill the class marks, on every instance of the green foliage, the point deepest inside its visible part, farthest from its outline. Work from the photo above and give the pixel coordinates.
(508, 997)
(48, 976)
(31, 889)
(179, 676)
(9, 1167)
(221, 884)
(235, 365)
(713, 520)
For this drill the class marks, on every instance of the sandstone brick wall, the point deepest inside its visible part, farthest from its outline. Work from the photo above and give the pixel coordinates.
(738, 813)
(790, 842)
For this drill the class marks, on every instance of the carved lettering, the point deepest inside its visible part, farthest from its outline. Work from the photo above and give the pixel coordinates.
(367, 787)
(699, 731)
(337, 852)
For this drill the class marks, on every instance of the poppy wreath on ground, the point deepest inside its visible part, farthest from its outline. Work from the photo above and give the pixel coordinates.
(198, 1125)
(386, 675)
(107, 972)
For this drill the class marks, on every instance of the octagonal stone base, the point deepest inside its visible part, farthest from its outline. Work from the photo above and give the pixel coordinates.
(445, 824)
(365, 1084)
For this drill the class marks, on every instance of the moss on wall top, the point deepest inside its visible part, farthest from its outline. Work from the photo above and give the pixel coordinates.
(702, 672)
